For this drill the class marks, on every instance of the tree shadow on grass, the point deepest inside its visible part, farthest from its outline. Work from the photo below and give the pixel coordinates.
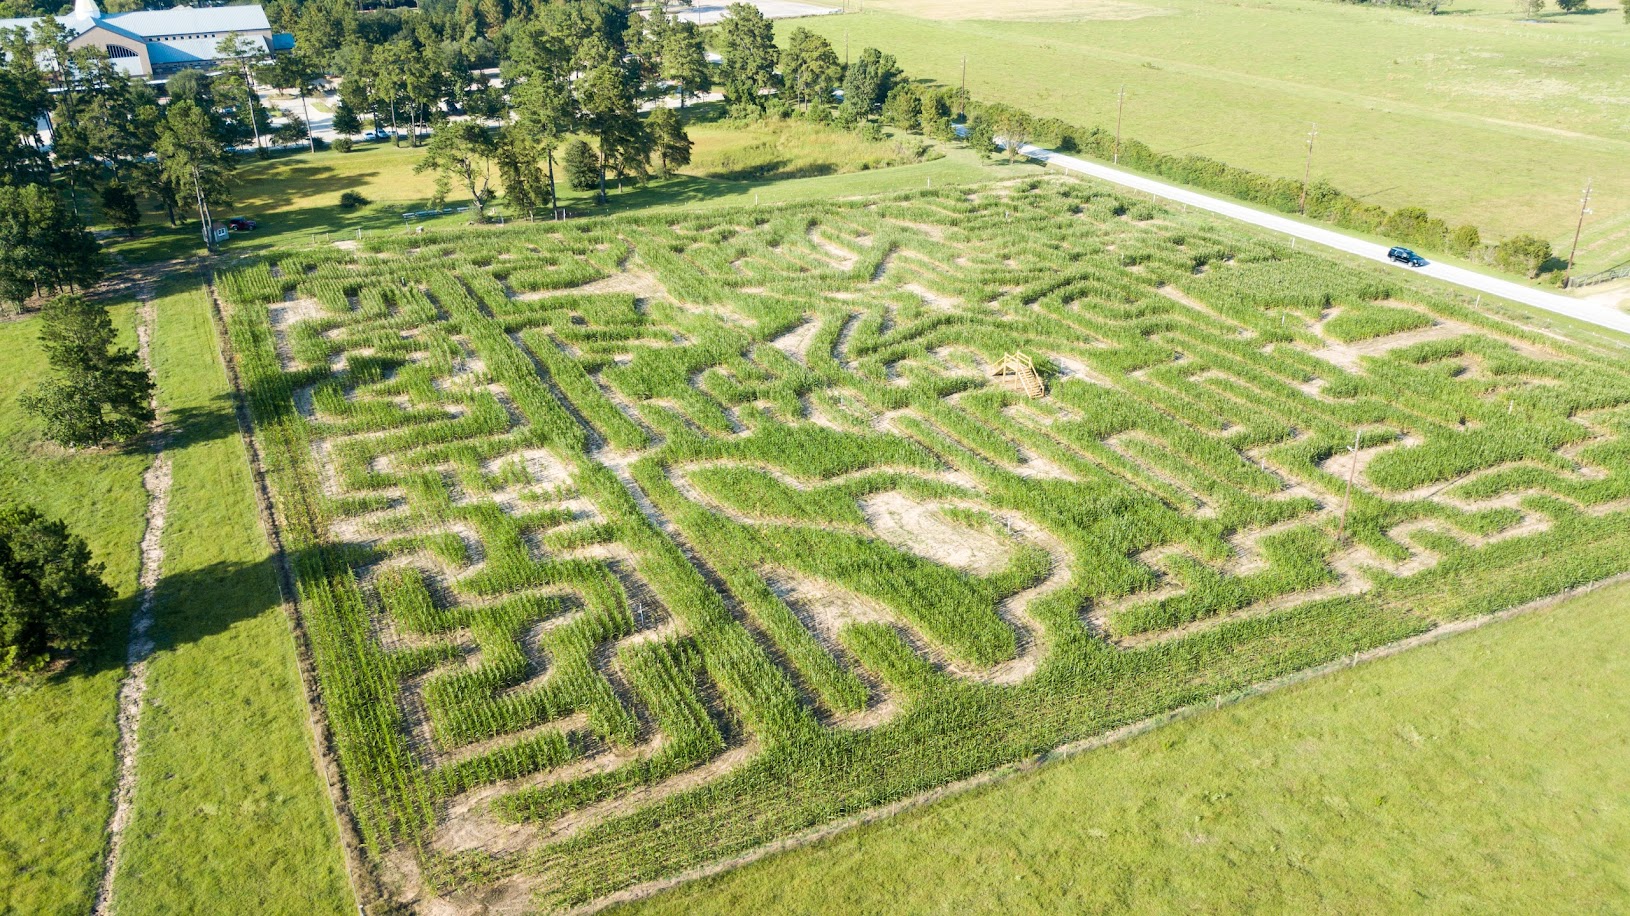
(189, 606)
(287, 186)
(189, 426)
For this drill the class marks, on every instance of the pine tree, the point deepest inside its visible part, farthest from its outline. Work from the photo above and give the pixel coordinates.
(671, 144)
(810, 67)
(747, 43)
(582, 165)
(98, 394)
(52, 596)
(684, 60)
(119, 207)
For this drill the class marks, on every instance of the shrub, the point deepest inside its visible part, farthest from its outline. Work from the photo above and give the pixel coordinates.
(1523, 253)
(342, 145)
(1465, 240)
(1416, 226)
(904, 108)
(350, 200)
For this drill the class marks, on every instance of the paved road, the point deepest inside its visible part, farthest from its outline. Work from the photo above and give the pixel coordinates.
(1594, 313)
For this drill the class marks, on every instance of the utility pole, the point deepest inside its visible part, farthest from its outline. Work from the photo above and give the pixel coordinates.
(964, 72)
(249, 88)
(1120, 108)
(846, 50)
(1307, 171)
(311, 136)
(1584, 208)
(203, 210)
(1352, 469)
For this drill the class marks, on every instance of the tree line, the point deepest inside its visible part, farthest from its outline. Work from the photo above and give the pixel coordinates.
(53, 598)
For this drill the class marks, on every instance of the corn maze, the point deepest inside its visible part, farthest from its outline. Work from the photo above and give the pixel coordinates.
(629, 545)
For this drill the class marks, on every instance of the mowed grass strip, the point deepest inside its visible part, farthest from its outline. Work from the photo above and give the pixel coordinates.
(230, 815)
(1478, 774)
(58, 736)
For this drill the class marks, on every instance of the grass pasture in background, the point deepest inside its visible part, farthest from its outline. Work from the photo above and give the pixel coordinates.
(784, 149)
(1474, 115)
(1474, 774)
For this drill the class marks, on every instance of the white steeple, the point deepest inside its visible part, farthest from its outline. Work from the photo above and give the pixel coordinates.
(87, 10)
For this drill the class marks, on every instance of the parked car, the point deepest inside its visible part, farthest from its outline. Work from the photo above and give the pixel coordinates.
(240, 224)
(1405, 256)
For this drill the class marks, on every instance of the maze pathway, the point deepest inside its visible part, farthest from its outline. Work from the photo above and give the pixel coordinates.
(626, 545)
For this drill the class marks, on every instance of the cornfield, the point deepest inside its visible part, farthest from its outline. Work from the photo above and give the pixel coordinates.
(674, 536)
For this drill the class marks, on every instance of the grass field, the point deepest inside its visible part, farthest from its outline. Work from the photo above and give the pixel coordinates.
(225, 749)
(1477, 774)
(228, 807)
(296, 197)
(628, 545)
(58, 738)
(1478, 117)
(779, 150)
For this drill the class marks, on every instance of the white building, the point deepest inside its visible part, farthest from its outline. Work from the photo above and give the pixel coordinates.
(153, 43)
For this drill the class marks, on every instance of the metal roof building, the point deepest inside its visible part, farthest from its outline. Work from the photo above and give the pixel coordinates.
(151, 43)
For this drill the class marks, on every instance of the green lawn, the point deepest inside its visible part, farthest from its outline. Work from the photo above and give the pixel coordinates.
(58, 737)
(1486, 773)
(295, 198)
(1472, 114)
(230, 815)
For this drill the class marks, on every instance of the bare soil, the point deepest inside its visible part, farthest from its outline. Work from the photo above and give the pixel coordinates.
(133, 690)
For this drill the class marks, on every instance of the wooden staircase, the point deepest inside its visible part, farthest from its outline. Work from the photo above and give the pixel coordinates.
(1023, 368)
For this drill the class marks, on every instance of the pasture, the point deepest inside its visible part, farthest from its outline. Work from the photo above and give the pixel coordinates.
(223, 749)
(295, 197)
(57, 737)
(1472, 114)
(627, 546)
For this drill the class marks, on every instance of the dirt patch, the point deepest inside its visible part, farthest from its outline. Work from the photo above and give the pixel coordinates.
(638, 283)
(796, 342)
(930, 298)
(284, 315)
(1069, 367)
(841, 258)
(1038, 467)
(922, 529)
(1182, 298)
(133, 691)
(1341, 463)
(1347, 355)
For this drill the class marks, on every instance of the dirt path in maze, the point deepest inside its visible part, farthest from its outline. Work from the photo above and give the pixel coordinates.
(133, 690)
